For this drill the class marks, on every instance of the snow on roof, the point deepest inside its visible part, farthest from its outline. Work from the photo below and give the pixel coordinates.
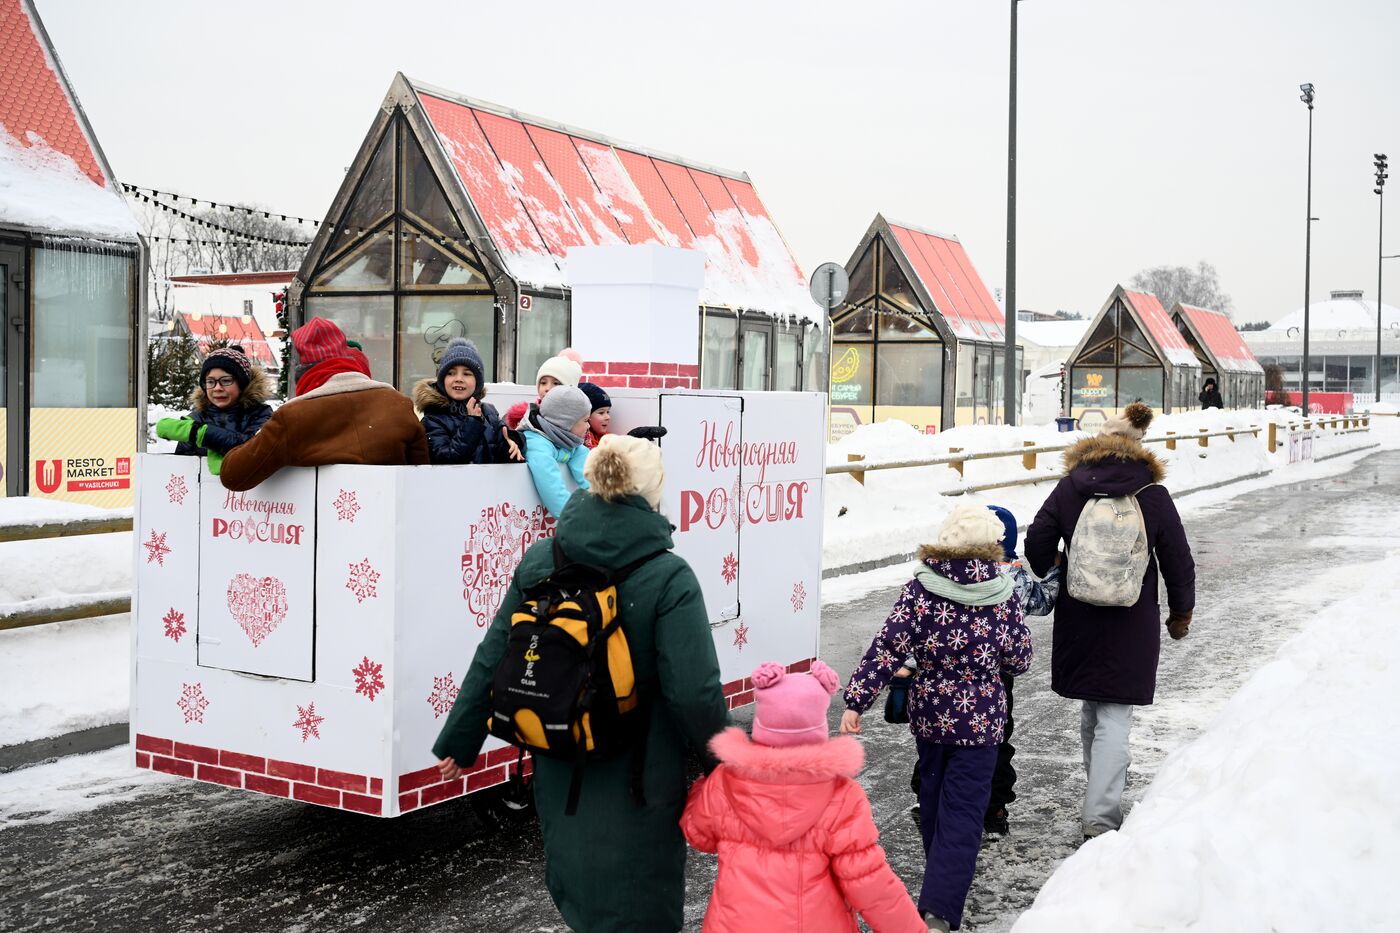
(541, 188)
(948, 276)
(1354, 315)
(242, 330)
(1221, 339)
(1161, 329)
(1052, 333)
(52, 176)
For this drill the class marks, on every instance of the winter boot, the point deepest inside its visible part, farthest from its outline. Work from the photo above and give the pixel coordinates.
(938, 923)
(997, 823)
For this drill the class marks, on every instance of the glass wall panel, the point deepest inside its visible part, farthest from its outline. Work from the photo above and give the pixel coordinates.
(428, 265)
(1363, 374)
(983, 384)
(83, 330)
(910, 374)
(1132, 356)
(893, 285)
(367, 267)
(541, 332)
(785, 375)
(1390, 374)
(423, 199)
(755, 359)
(965, 411)
(1144, 385)
(373, 202)
(890, 324)
(1091, 388)
(1106, 329)
(1101, 356)
(1335, 373)
(366, 318)
(430, 321)
(862, 278)
(1129, 330)
(857, 323)
(814, 373)
(852, 374)
(719, 364)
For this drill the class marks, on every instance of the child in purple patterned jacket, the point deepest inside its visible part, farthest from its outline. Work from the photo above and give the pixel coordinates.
(961, 619)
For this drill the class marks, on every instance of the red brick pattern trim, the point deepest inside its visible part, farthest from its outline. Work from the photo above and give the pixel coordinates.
(425, 787)
(740, 692)
(322, 786)
(644, 375)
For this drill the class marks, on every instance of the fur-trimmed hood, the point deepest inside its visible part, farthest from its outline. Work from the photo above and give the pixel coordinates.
(259, 390)
(781, 793)
(933, 554)
(427, 395)
(794, 764)
(1102, 447)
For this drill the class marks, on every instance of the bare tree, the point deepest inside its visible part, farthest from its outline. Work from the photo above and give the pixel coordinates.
(260, 247)
(1199, 287)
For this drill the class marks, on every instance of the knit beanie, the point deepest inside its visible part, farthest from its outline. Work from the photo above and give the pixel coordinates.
(564, 406)
(969, 527)
(567, 371)
(790, 709)
(1008, 530)
(596, 396)
(319, 340)
(461, 352)
(232, 360)
(1132, 423)
(622, 466)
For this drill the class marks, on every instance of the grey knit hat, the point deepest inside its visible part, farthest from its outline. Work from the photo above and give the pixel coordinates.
(461, 352)
(565, 406)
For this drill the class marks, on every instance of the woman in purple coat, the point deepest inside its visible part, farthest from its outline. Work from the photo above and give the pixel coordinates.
(1106, 656)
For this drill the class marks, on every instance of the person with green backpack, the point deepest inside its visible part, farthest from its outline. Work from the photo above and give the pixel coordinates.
(610, 783)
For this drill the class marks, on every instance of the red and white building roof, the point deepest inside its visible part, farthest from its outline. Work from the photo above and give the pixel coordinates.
(241, 329)
(1218, 337)
(540, 188)
(1160, 328)
(948, 277)
(53, 176)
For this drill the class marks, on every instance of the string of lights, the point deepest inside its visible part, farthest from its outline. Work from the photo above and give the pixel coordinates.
(218, 205)
(190, 218)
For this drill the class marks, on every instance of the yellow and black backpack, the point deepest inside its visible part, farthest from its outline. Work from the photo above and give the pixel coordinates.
(565, 687)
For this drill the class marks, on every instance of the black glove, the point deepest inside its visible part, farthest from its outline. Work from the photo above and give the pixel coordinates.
(1178, 624)
(650, 432)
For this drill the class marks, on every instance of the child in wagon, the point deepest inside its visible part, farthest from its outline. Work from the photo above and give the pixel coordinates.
(461, 426)
(229, 405)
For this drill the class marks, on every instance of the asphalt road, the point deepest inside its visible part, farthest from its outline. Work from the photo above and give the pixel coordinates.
(195, 857)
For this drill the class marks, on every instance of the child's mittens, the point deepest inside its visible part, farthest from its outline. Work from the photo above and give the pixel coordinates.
(175, 429)
(216, 460)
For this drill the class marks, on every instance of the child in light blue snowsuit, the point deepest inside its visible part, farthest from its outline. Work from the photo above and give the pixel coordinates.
(554, 430)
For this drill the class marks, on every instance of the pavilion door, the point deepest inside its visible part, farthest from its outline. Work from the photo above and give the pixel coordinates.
(13, 414)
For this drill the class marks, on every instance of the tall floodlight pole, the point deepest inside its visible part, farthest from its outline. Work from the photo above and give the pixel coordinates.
(1307, 98)
(1381, 176)
(1012, 379)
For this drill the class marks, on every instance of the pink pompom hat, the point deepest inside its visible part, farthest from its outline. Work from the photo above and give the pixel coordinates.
(791, 708)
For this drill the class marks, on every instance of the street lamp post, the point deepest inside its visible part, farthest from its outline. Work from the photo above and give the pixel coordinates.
(1012, 378)
(1381, 175)
(1307, 98)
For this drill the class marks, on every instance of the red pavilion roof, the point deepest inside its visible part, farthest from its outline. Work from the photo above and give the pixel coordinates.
(243, 331)
(1221, 339)
(1160, 327)
(948, 276)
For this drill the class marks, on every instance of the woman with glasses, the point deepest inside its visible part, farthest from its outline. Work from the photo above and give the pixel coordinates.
(230, 404)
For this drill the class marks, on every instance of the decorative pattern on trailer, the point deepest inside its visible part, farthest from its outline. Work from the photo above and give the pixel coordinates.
(347, 505)
(177, 490)
(271, 776)
(643, 375)
(425, 787)
(740, 692)
(156, 548)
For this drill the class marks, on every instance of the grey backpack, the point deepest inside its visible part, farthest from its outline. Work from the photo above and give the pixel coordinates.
(1108, 558)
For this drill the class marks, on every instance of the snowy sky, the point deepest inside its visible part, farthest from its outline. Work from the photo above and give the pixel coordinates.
(1150, 133)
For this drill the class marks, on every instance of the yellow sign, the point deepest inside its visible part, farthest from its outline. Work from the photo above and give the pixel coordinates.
(844, 367)
(83, 455)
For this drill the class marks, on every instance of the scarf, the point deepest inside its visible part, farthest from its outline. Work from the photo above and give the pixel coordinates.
(559, 437)
(991, 592)
(316, 376)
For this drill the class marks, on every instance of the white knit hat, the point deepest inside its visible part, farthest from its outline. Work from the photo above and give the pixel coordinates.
(567, 371)
(1132, 423)
(969, 527)
(627, 466)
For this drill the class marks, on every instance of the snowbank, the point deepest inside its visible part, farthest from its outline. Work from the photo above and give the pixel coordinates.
(73, 785)
(895, 510)
(64, 676)
(1284, 815)
(43, 189)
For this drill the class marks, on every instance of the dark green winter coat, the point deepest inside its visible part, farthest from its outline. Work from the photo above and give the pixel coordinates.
(616, 865)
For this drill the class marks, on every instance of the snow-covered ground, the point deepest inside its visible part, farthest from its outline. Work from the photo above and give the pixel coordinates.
(1285, 814)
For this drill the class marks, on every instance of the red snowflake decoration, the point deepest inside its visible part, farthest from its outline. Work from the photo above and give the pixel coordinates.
(741, 636)
(730, 568)
(308, 722)
(799, 596)
(156, 548)
(443, 696)
(369, 678)
(177, 490)
(363, 577)
(192, 702)
(174, 624)
(346, 505)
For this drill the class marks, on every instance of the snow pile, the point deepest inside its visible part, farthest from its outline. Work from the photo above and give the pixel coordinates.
(72, 785)
(44, 190)
(1283, 816)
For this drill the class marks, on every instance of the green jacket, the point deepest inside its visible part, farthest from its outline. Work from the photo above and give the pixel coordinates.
(616, 865)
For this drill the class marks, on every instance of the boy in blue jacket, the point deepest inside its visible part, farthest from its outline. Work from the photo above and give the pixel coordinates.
(462, 428)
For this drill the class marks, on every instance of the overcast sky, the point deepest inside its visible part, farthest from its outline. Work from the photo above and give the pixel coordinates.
(1151, 131)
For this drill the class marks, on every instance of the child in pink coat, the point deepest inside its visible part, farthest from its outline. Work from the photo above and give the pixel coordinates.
(798, 849)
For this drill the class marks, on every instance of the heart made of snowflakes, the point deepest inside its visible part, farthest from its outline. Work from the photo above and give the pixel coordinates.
(257, 604)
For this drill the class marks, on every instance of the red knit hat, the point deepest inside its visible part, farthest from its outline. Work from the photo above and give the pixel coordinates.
(319, 340)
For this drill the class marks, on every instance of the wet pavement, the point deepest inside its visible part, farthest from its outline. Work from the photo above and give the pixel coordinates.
(182, 856)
